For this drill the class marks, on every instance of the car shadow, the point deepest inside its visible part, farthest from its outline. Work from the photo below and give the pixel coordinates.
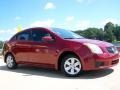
(29, 71)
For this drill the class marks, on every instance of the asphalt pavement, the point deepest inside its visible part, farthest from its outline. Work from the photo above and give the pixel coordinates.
(31, 78)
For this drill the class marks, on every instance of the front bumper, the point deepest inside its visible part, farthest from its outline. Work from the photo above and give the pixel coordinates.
(100, 61)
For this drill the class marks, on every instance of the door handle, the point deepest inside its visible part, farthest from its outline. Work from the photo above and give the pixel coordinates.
(38, 46)
(37, 50)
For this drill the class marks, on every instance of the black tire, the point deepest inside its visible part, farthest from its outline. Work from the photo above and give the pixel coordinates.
(10, 61)
(75, 69)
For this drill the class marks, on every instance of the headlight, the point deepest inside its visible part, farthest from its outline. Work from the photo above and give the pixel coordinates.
(94, 48)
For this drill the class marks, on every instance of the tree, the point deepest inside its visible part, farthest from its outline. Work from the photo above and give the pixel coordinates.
(100, 34)
(108, 29)
(117, 32)
(80, 32)
(92, 33)
(1, 44)
(110, 33)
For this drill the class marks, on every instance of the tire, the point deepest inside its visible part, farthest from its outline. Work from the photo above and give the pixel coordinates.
(10, 61)
(71, 66)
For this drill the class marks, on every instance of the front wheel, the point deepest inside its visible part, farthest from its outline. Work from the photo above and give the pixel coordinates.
(10, 61)
(71, 66)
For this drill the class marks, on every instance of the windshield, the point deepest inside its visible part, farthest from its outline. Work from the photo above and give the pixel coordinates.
(66, 34)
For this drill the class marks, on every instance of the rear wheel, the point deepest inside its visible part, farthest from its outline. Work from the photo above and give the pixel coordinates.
(10, 61)
(71, 65)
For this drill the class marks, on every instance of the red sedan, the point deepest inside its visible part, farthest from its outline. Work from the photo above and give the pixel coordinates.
(58, 49)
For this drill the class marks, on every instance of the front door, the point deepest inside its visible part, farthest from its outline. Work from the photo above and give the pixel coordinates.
(42, 52)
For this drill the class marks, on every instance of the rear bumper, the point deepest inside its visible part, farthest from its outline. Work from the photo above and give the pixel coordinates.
(101, 61)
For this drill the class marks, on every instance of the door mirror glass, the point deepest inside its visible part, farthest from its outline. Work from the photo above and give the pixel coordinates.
(47, 39)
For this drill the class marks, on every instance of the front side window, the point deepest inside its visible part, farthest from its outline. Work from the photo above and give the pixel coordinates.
(23, 36)
(37, 35)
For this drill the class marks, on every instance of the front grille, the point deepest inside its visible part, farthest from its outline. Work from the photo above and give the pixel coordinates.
(115, 62)
(112, 49)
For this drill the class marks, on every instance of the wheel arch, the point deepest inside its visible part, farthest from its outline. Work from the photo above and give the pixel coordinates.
(6, 55)
(63, 55)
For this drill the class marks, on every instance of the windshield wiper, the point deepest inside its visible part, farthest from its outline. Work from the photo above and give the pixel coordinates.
(68, 38)
(79, 38)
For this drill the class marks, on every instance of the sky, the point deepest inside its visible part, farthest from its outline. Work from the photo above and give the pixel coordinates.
(67, 14)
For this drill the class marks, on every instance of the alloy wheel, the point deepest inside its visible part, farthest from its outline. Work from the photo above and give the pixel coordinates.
(72, 66)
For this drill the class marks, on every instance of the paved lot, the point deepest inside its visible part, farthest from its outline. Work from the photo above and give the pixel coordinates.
(29, 78)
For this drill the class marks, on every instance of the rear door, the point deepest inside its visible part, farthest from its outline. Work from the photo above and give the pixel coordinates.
(22, 46)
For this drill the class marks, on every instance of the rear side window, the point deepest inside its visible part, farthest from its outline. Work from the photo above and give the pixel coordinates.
(24, 36)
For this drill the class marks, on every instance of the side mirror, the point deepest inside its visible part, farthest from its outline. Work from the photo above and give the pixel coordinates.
(47, 39)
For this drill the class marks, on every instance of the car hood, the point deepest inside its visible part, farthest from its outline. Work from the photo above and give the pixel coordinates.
(96, 42)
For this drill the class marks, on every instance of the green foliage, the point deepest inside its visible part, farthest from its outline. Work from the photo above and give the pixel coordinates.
(117, 32)
(110, 33)
(108, 29)
(93, 33)
(1, 44)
